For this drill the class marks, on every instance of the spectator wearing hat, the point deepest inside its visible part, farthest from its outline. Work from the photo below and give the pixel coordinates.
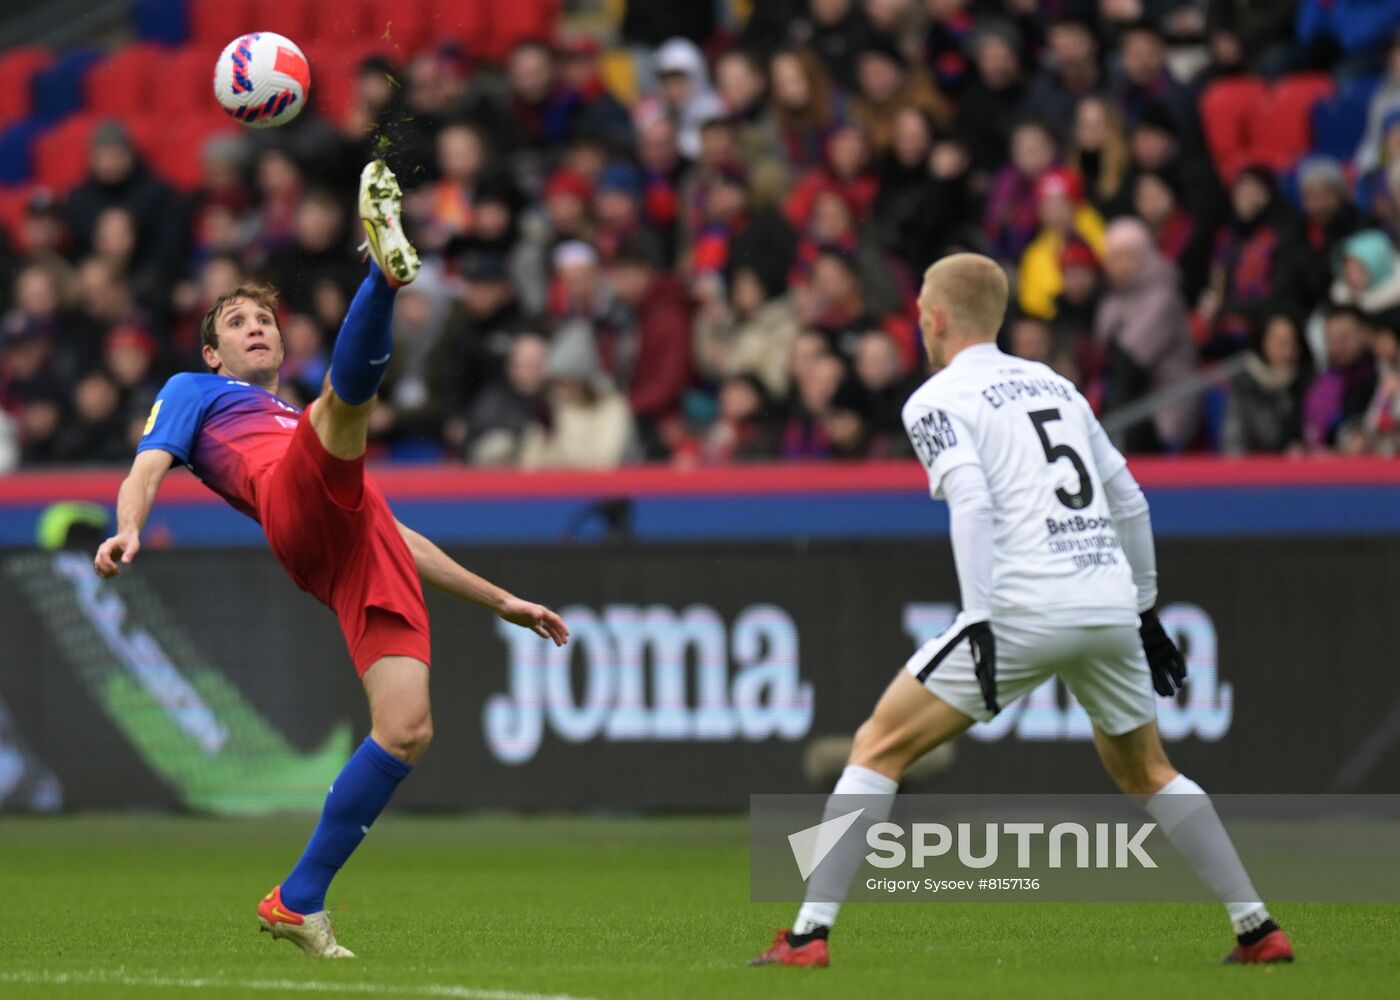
(31, 391)
(1078, 355)
(1336, 401)
(1142, 324)
(991, 96)
(1311, 241)
(1063, 214)
(649, 359)
(588, 424)
(117, 178)
(1071, 71)
(806, 106)
(1264, 408)
(1244, 263)
(566, 203)
(1368, 275)
(1156, 200)
(749, 332)
(663, 172)
(583, 100)
(887, 84)
(1009, 218)
(684, 93)
(617, 209)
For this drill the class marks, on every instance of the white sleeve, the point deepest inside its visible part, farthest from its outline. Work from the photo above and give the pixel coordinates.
(970, 527)
(1107, 459)
(941, 440)
(1134, 524)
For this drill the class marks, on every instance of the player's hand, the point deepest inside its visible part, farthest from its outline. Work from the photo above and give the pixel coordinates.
(1167, 663)
(116, 552)
(984, 662)
(537, 618)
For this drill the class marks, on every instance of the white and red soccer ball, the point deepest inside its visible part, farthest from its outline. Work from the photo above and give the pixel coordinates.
(262, 79)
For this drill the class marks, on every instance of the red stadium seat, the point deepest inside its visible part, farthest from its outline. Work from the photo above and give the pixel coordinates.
(122, 84)
(186, 80)
(61, 153)
(1289, 134)
(1234, 112)
(179, 157)
(218, 22)
(293, 18)
(466, 22)
(16, 68)
(344, 21)
(519, 21)
(14, 201)
(333, 74)
(407, 23)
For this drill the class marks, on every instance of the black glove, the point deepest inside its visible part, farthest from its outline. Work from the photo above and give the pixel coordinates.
(984, 661)
(1167, 663)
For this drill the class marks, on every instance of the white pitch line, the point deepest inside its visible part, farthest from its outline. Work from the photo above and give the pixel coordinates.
(101, 978)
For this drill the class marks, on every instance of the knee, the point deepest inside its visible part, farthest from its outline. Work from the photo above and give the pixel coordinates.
(408, 740)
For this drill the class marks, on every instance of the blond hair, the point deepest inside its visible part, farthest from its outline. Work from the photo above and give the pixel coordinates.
(972, 291)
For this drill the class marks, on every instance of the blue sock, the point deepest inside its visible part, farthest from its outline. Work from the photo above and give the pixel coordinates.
(361, 352)
(359, 794)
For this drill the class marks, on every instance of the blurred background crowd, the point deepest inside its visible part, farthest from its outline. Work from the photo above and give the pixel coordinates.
(694, 233)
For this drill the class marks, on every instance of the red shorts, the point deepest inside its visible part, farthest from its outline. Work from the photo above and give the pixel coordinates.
(333, 532)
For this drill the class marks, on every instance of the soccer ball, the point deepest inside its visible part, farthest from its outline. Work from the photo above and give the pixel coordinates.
(262, 79)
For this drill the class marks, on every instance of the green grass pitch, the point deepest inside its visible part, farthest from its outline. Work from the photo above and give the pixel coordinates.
(496, 908)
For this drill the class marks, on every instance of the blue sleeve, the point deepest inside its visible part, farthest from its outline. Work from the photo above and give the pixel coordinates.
(175, 418)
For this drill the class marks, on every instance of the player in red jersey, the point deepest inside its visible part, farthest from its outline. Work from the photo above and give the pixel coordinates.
(301, 475)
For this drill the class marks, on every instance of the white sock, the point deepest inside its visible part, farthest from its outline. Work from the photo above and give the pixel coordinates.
(832, 880)
(1187, 818)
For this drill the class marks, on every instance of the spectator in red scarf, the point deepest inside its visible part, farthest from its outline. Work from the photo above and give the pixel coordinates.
(1179, 238)
(846, 170)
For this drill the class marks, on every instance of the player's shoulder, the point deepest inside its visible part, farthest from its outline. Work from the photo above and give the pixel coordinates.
(938, 392)
(190, 386)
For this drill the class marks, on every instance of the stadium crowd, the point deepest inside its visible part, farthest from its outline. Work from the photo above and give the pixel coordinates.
(716, 260)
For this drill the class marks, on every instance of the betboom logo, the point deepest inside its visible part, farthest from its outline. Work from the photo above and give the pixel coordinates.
(746, 679)
(1050, 713)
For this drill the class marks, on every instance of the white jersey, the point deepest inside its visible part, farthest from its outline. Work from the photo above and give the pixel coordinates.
(1045, 459)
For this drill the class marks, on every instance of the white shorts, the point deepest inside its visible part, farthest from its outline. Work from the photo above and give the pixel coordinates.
(1103, 666)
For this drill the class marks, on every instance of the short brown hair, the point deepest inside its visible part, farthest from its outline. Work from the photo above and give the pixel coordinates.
(262, 295)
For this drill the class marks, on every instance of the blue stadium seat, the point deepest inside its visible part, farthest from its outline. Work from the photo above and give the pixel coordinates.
(58, 90)
(16, 146)
(165, 21)
(1339, 122)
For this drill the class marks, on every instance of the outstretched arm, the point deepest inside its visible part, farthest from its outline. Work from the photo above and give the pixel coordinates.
(439, 570)
(134, 501)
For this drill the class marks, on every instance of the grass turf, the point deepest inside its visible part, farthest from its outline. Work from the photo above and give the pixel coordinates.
(585, 907)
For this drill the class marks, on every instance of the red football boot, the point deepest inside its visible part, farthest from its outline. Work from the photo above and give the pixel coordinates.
(813, 953)
(1272, 947)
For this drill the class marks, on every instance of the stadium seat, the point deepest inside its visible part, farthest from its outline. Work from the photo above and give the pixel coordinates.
(121, 84)
(344, 21)
(187, 80)
(333, 73)
(218, 22)
(466, 22)
(293, 18)
(13, 201)
(17, 151)
(1232, 111)
(1338, 124)
(164, 21)
(1289, 134)
(61, 153)
(57, 90)
(177, 156)
(17, 68)
(407, 23)
(519, 21)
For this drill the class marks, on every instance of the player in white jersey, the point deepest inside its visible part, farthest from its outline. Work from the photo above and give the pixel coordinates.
(1052, 543)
